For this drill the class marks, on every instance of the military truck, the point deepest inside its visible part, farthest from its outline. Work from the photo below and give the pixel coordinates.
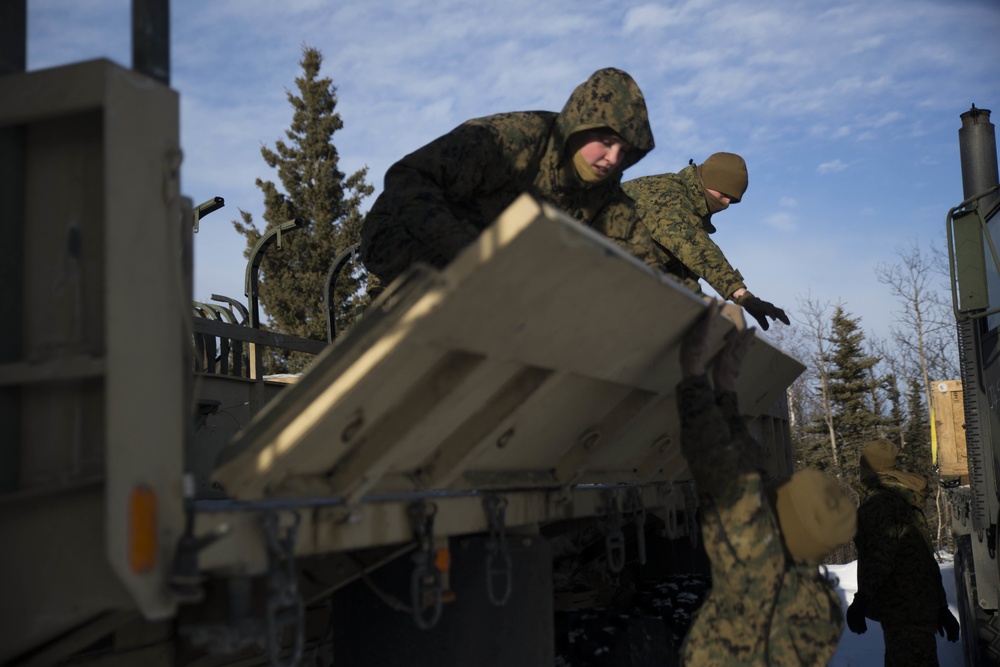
(972, 232)
(490, 443)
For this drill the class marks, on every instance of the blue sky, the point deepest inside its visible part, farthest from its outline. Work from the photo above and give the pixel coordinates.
(846, 112)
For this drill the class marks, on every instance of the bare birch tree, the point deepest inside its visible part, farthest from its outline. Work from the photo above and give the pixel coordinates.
(815, 320)
(926, 321)
(924, 314)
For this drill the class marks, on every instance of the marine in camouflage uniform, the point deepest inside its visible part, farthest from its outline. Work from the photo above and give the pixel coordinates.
(769, 603)
(899, 581)
(677, 209)
(439, 198)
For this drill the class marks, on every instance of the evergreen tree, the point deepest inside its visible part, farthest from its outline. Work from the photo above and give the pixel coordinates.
(816, 442)
(917, 436)
(895, 420)
(851, 385)
(916, 455)
(293, 279)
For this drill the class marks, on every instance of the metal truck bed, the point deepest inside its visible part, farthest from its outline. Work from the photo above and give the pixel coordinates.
(539, 366)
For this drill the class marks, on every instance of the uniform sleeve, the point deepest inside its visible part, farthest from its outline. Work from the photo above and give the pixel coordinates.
(688, 241)
(730, 409)
(420, 189)
(667, 213)
(706, 442)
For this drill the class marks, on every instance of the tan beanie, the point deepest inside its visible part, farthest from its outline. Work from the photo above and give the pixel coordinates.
(879, 455)
(725, 173)
(815, 514)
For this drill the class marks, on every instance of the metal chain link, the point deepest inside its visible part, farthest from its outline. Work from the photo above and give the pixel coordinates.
(633, 503)
(425, 581)
(614, 542)
(285, 606)
(496, 512)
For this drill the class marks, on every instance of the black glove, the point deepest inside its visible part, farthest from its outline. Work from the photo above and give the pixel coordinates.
(856, 614)
(761, 310)
(947, 624)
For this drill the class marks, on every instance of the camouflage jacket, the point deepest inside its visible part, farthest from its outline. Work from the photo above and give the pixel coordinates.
(764, 608)
(673, 207)
(896, 566)
(438, 199)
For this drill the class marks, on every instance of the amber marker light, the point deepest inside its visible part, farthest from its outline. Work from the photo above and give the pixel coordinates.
(142, 529)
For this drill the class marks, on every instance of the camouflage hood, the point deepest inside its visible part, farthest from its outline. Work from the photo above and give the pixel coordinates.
(609, 98)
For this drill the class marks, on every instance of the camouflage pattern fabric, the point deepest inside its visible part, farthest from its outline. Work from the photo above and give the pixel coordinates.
(438, 199)
(673, 208)
(909, 646)
(764, 608)
(896, 566)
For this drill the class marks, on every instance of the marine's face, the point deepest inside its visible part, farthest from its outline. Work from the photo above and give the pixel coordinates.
(725, 199)
(603, 150)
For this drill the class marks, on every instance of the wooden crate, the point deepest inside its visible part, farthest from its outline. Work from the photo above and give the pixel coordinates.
(949, 427)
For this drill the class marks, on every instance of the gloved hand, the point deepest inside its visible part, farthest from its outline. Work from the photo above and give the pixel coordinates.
(727, 367)
(694, 345)
(761, 310)
(947, 624)
(856, 614)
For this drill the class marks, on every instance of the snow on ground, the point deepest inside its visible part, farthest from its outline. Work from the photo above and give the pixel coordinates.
(866, 650)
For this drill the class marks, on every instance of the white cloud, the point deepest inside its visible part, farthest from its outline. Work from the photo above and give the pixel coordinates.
(886, 119)
(790, 84)
(832, 166)
(650, 17)
(781, 221)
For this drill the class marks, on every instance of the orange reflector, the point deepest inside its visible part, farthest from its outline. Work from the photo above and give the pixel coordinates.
(142, 529)
(442, 560)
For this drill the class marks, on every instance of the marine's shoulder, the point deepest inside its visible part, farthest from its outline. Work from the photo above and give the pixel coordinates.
(515, 121)
(881, 502)
(652, 184)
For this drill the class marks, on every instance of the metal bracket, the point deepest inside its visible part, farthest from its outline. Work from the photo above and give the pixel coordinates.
(496, 512)
(425, 582)
(185, 579)
(340, 261)
(251, 284)
(206, 207)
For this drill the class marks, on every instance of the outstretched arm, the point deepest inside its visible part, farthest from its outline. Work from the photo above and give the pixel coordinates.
(714, 455)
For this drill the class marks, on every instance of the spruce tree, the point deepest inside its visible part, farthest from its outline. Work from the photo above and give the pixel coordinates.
(916, 455)
(917, 436)
(293, 279)
(851, 386)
